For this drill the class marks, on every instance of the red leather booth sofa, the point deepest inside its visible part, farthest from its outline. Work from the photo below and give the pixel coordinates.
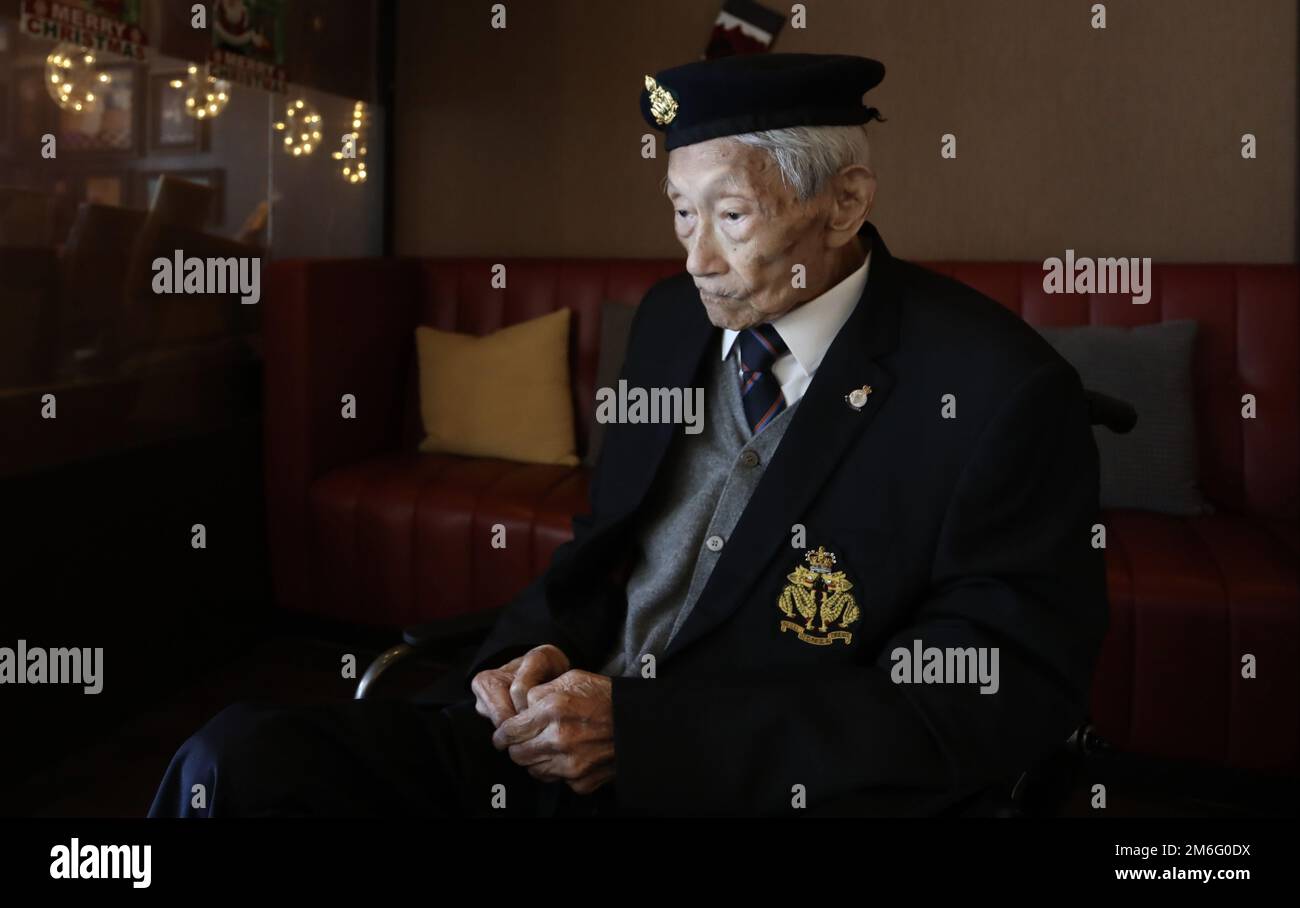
(364, 529)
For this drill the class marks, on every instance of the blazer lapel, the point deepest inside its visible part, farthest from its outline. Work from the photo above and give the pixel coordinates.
(672, 360)
(820, 432)
(677, 356)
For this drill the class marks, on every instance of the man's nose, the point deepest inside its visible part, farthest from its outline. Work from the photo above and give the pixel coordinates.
(702, 258)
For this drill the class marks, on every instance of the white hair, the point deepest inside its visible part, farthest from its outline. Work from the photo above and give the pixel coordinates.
(808, 156)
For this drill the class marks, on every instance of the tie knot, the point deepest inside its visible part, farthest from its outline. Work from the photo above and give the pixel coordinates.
(760, 347)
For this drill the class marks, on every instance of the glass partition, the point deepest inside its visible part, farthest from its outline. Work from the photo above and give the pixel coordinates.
(125, 167)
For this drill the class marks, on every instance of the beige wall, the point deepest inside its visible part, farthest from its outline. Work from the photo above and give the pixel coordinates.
(1117, 142)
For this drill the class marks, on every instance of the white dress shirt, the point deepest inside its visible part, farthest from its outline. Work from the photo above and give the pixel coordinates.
(808, 331)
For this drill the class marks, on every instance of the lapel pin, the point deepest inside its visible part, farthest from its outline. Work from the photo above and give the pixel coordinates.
(857, 398)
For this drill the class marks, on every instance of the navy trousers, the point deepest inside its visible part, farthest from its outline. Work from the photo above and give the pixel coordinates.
(357, 758)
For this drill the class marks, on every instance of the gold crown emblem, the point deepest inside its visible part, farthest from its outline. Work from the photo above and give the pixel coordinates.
(821, 560)
(663, 106)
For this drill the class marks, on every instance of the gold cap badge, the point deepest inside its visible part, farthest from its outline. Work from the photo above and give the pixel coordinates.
(663, 106)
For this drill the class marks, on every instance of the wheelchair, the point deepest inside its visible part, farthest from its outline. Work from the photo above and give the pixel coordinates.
(1038, 791)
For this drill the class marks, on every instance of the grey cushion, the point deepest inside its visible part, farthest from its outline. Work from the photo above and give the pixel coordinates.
(615, 328)
(1152, 468)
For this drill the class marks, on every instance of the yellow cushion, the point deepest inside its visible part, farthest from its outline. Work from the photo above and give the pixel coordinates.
(505, 395)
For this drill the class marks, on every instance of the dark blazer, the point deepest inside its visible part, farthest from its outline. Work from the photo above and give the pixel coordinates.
(974, 531)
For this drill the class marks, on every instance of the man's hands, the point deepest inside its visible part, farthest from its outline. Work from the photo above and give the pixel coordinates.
(500, 693)
(567, 732)
(557, 723)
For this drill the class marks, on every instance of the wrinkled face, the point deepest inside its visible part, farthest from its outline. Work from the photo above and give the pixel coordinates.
(743, 231)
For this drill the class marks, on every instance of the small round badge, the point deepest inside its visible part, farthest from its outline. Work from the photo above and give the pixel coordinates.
(857, 398)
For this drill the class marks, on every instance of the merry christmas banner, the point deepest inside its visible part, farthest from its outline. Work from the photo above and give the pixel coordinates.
(111, 26)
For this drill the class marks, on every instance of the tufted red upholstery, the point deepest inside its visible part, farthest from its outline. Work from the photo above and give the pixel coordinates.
(364, 529)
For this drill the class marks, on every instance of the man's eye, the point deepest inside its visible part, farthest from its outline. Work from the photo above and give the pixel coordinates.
(729, 214)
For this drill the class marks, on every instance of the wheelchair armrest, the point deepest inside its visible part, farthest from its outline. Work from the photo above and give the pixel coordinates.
(443, 635)
(451, 631)
(1042, 790)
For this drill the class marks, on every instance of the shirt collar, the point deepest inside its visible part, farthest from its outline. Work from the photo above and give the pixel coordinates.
(809, 329)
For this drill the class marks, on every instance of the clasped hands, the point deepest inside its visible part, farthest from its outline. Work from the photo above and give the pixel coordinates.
(555, 722)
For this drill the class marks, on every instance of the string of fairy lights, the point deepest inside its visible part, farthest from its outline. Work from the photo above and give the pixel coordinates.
(77, 83)
(301, 128)
(357, 173)
(73, 81)
(205, 95)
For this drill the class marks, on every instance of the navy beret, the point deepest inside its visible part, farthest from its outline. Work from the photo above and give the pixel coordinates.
(727, 96)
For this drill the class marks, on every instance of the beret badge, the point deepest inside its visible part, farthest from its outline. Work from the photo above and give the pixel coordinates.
(663, 106)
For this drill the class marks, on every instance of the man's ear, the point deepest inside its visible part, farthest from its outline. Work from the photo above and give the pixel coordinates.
(853, 193)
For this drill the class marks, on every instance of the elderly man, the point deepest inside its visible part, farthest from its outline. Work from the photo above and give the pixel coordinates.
(868, 586)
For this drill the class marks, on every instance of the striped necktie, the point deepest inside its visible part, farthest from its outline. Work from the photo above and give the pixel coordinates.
(760, 392)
